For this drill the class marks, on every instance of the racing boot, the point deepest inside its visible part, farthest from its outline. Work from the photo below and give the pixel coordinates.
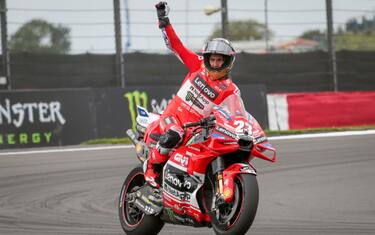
(154, 193)
(155, 158)
(151, 175)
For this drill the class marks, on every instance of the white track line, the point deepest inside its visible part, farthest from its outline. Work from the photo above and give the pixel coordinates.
(67, 150)
(322, 135)
(288, 137)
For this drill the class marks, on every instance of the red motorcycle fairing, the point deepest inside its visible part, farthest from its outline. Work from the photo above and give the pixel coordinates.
(265, 151)
(180, 187)
(153, 128)
(256, 130)
(180, 190)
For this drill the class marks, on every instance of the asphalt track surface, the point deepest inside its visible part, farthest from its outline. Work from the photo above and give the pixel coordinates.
(318, 186)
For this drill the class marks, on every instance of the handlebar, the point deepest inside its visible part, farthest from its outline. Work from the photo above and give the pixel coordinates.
(203, 122)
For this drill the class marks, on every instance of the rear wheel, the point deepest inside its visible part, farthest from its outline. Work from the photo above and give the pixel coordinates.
(133, 220)
(236, 217)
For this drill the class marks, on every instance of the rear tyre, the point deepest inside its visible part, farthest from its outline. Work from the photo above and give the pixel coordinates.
(236, 217)
(133, 220)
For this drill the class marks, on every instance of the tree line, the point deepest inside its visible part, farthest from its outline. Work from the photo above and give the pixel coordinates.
(40, 36)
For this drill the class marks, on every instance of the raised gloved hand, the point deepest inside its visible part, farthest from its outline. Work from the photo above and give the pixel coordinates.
(162, 10)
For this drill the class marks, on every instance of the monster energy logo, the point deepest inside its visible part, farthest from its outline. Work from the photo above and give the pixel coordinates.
(136, 98)
(190, 97)
(170, 214)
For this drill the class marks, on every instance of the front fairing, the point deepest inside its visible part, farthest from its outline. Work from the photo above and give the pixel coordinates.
(232, 114)
(235, 129)
(243, 128)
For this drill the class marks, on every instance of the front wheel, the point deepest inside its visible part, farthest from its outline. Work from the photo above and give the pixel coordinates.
(236, 217)
(133, 220)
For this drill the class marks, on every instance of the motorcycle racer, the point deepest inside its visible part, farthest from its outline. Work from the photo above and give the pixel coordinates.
(207, 84)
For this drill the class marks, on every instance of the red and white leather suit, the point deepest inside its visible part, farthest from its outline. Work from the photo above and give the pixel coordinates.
(194, 100)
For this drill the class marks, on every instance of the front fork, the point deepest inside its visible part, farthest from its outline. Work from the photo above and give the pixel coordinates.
(224, 178)
(218, 168)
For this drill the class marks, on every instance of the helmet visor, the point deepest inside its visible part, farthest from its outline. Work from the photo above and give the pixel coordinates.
(219, 47)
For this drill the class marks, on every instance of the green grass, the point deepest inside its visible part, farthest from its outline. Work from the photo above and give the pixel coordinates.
(123, 140)
(126, 140)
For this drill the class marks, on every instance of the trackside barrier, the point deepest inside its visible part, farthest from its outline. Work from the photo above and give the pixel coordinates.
(319, 110)
(70, 116)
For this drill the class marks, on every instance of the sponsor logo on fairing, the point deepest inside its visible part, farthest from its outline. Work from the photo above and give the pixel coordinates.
(182, 160)
(226, 132)
(260, 139)
(172, 179)
(182, 196)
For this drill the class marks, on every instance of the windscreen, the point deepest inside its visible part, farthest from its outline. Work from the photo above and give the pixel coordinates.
(233, 105)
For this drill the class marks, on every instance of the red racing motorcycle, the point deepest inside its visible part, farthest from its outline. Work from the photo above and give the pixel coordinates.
(208, 181)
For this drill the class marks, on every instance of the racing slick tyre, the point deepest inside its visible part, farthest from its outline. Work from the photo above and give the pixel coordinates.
(235, 218)
(133, 220)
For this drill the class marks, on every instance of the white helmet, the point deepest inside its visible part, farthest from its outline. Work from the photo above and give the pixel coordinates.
(223, 47)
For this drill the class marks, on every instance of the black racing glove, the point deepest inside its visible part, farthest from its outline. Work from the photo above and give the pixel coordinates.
(162, 10)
